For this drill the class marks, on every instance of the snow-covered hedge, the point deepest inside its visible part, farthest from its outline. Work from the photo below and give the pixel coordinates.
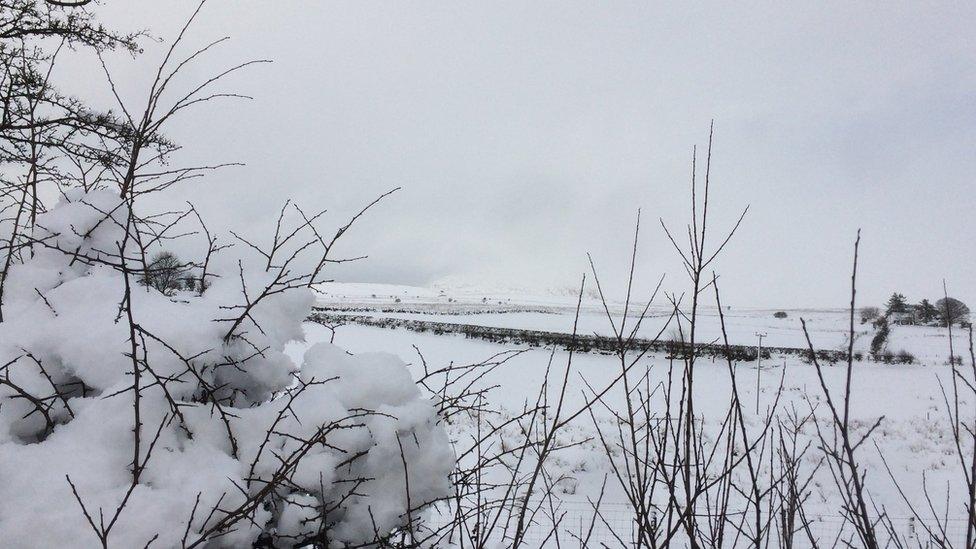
(229, 426)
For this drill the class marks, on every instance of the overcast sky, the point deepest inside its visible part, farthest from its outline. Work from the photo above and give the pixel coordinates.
(527, 134)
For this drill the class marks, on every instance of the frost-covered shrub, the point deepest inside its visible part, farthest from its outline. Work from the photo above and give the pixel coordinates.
(204, 436)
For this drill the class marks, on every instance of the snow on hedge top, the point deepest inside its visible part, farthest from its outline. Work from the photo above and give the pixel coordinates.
(228, 410)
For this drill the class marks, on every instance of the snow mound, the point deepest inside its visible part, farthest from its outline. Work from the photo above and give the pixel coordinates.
(227, 425)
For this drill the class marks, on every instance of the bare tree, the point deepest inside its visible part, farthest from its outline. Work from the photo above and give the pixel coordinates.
(165, 272)
(952, 311)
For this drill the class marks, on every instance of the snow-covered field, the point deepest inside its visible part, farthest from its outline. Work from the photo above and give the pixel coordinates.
(553, 311)
(914, 436)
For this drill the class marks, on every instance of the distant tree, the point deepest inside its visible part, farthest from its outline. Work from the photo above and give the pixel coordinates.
(896, 304)
(165, 272)
(926, 312)
(868, 314)
(780, 314)
(951, 311)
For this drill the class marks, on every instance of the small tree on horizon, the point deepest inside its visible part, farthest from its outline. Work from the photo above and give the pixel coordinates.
(897, 303)
(165, 272)
(868, 314)
(951, 311)
(926, 311)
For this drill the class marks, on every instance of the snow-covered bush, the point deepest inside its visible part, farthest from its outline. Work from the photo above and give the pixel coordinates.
(129, 416)
(145, 396)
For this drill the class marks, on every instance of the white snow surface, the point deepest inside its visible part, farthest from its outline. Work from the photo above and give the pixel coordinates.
(64, 328)
(914, 436)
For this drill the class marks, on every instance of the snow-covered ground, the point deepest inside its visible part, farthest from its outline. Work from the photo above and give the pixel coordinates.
(553, 311)
(914, 436)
